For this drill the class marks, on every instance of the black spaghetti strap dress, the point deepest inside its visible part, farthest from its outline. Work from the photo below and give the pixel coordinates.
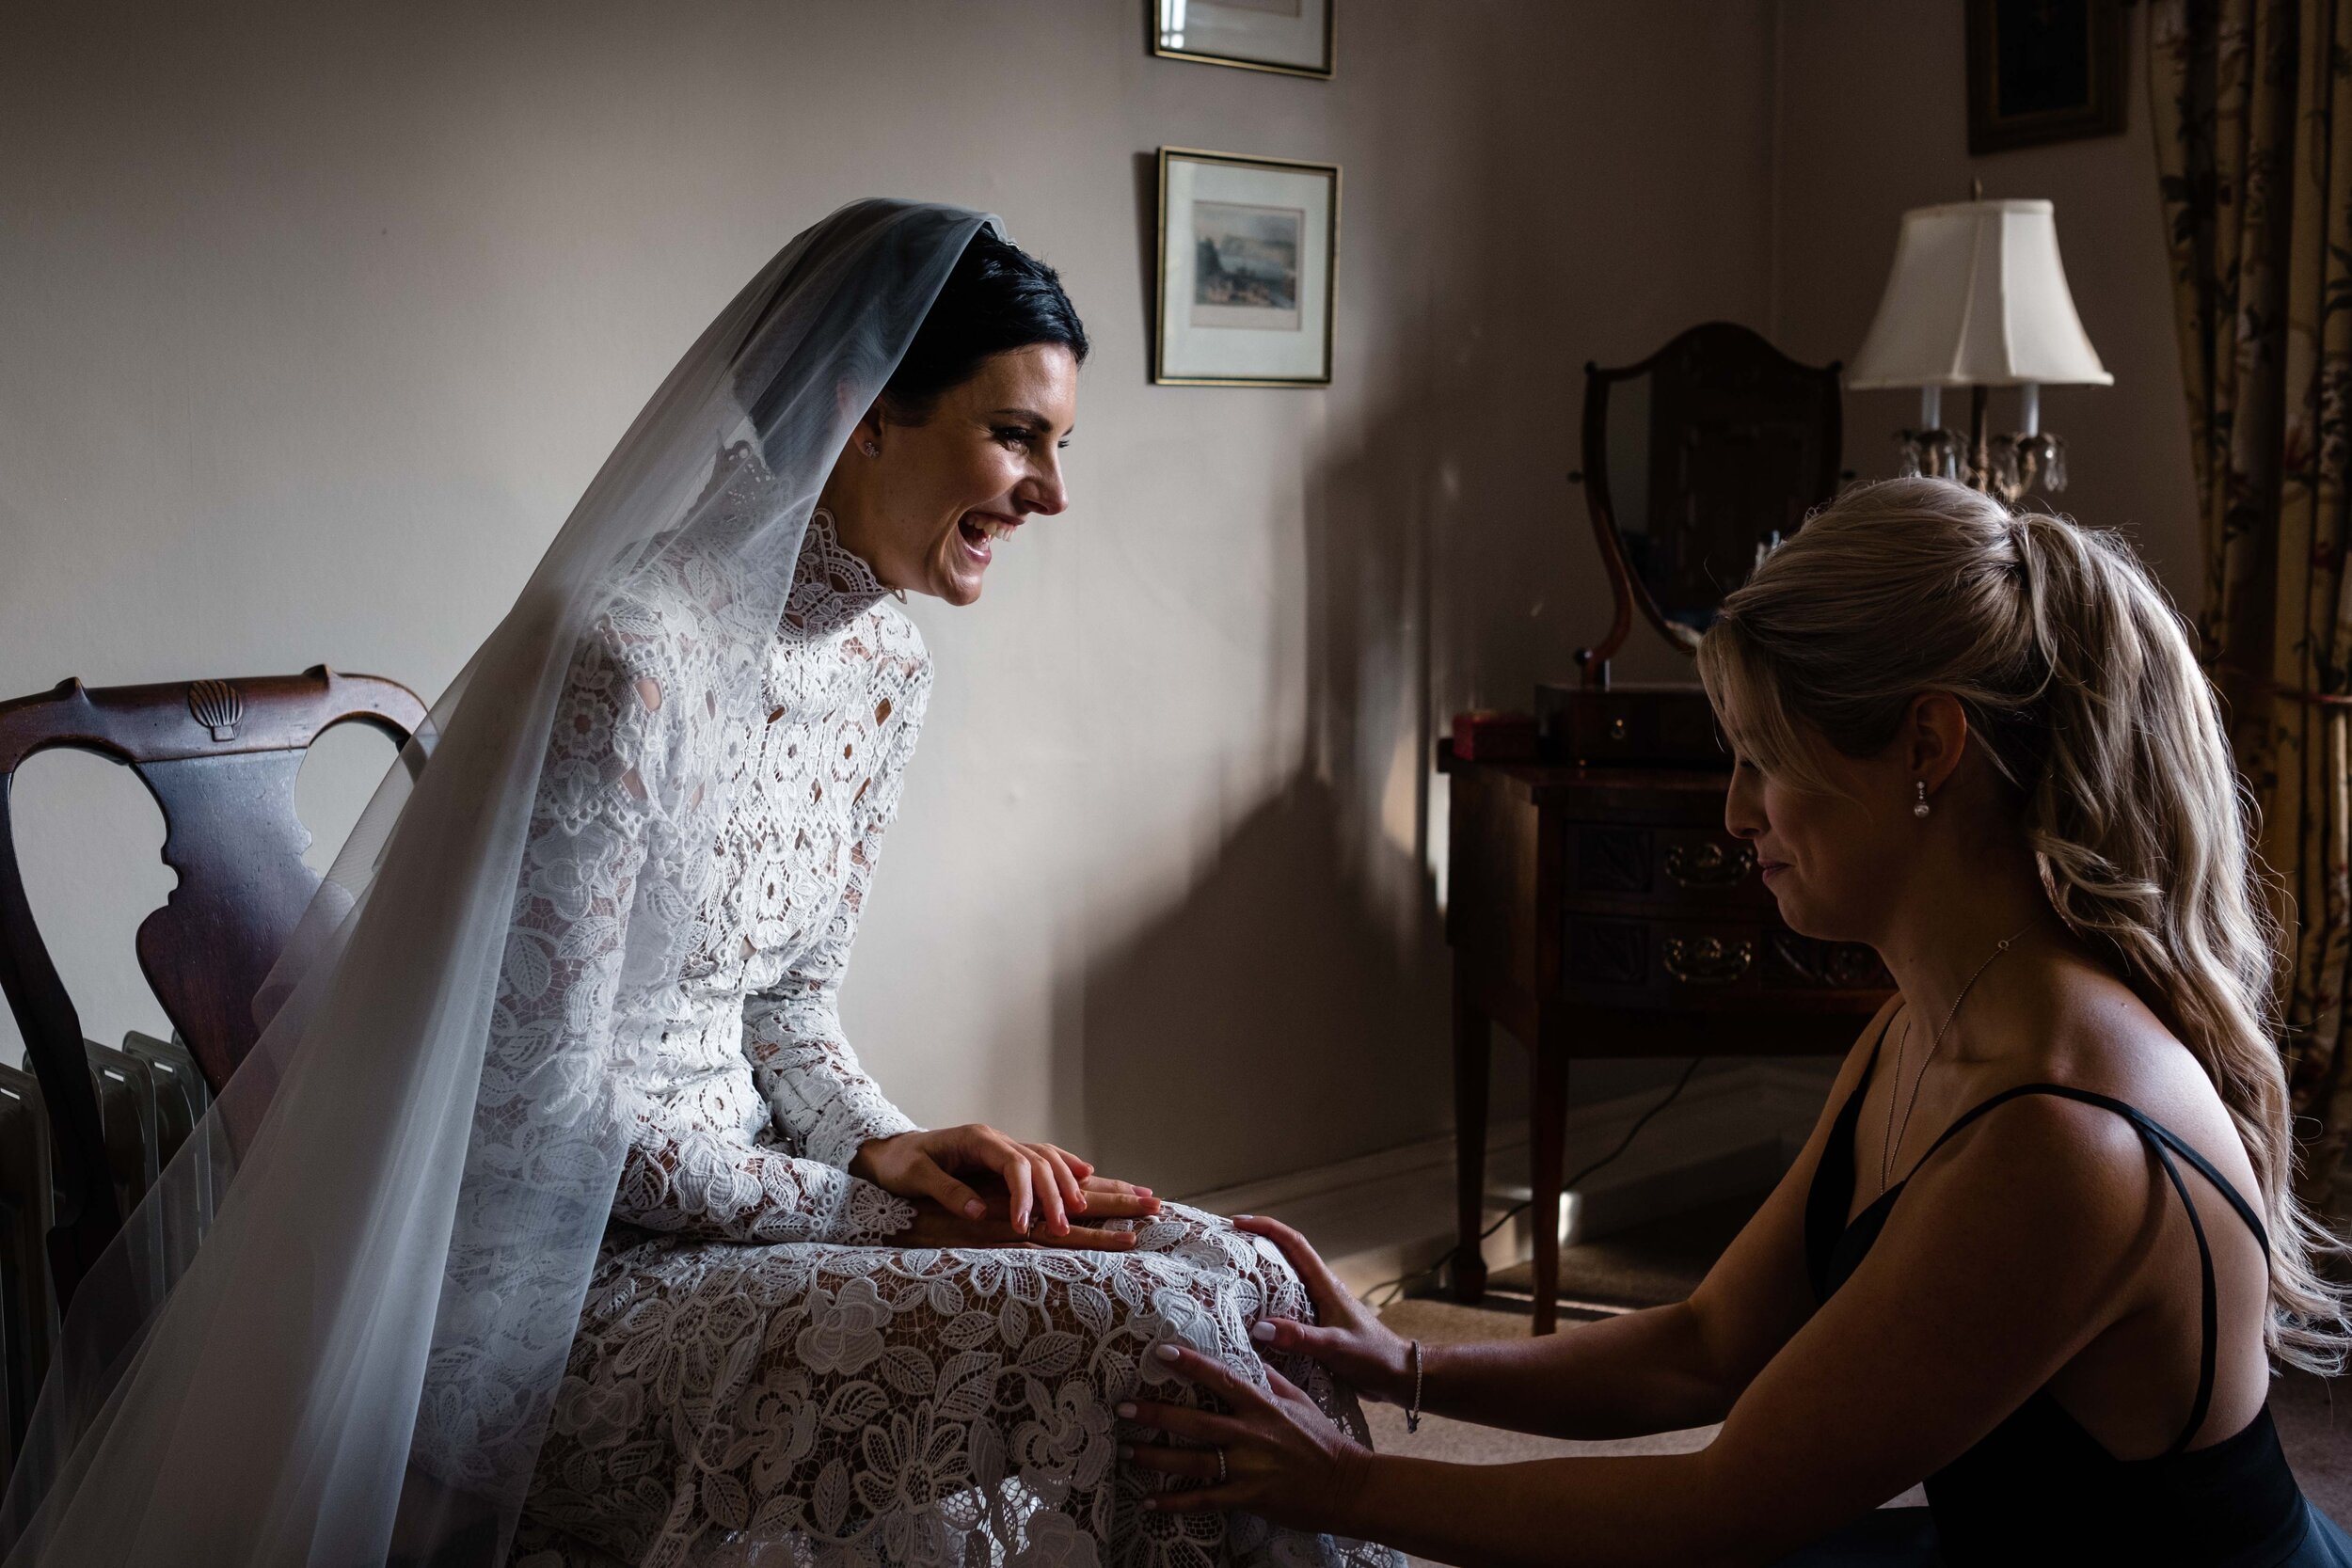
(2038, 1488)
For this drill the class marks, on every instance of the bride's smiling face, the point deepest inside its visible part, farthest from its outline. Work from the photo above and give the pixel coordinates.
(928, 505)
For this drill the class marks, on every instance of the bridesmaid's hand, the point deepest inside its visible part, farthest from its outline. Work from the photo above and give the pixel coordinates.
(1346, 1335)
(1044, 1183)
(1284, 1460)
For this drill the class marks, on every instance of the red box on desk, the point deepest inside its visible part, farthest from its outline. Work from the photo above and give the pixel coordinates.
(1489, 736)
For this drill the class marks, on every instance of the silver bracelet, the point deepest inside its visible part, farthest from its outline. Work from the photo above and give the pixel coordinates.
(1412, 1411)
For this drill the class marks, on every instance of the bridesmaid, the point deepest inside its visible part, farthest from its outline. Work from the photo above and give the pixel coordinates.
(2042, 1251)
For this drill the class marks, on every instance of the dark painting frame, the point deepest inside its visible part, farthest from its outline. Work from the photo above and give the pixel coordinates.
(2043, 72)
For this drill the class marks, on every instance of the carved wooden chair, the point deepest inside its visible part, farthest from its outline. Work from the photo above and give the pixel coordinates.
(220, 758)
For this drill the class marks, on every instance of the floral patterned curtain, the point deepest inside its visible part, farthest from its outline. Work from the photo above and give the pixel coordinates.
(2253, 123)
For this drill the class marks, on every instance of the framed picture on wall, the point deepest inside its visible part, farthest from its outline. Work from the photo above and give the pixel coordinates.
(2043, 70)
(1248, 257)
(1290, 36)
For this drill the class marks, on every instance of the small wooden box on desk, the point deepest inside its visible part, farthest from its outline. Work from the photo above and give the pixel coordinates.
(1604, 911)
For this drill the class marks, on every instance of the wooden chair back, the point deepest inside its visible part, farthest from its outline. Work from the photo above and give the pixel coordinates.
(220, 757)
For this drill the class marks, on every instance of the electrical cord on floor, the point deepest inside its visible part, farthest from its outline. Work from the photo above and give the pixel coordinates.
(1396, 1287)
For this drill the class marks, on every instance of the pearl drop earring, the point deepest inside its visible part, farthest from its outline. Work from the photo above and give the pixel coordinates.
(1919, 808)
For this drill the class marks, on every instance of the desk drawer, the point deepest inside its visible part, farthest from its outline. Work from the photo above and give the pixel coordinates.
(1619, 960)
(1694, 869)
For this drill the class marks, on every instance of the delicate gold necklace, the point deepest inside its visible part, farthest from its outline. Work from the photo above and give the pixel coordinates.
(1894, 1134)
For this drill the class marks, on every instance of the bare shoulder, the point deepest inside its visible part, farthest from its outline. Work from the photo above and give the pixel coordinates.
(2088, 1162)
(2039, 1162)
(2105, 1040)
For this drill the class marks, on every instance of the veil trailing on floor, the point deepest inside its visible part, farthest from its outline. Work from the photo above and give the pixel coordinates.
(357, 1361)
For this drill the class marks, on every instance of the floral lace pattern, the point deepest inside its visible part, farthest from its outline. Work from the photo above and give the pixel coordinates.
(748, 1100)
(756, 1376)
(875, 1405)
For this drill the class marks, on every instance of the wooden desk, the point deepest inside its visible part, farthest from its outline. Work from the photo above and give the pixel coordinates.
(1604, 911)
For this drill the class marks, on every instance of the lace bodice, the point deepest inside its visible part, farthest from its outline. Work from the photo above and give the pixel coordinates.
(713, 958)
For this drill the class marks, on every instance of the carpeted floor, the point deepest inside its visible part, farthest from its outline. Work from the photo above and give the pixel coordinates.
(1664, 1262)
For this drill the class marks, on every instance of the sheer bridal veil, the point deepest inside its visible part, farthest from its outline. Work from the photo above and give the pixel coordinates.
(358, 1360)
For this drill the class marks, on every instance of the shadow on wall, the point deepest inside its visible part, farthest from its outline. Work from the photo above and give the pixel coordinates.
(1292, 1008)
(1267, 1022)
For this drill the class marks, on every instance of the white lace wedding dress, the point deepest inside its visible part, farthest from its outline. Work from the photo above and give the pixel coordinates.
(759, 1376)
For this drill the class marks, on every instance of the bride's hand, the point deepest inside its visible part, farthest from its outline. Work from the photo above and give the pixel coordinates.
(935, 1227)
(1346, 1335)
(1045, 1184)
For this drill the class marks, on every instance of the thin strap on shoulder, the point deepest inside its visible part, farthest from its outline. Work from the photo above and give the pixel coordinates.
(2148, 1126)
(2165, 1143)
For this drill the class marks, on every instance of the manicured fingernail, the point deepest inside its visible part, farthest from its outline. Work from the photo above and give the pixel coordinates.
(1126, 1412)
(975, 1209)
(1239, 1217)
(1150, 1505)
(1168, 1353)
(1145, 1191)
(1262, 1333)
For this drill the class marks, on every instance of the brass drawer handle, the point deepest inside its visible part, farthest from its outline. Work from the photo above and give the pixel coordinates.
(1708, 961)
(1710, 864)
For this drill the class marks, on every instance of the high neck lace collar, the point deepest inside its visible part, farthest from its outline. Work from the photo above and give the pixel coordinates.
(831, 586)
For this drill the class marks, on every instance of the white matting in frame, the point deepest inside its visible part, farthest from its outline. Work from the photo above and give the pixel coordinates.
(1248, 253)
(1291, 35)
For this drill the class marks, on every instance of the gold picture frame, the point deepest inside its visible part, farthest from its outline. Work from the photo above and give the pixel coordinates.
(1173, 30)
(1267, 320)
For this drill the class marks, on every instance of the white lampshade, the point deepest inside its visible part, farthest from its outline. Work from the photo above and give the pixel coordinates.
(1978, 298)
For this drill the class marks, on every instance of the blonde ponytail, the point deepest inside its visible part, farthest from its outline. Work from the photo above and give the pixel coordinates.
(2080, 685)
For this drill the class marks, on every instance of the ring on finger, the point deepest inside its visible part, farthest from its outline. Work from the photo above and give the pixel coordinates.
(1220, 1466)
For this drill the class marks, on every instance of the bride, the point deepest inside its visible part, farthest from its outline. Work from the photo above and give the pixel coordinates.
(864, 1385)
(565, 1227)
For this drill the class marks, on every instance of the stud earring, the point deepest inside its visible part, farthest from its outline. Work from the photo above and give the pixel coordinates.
(1919, 807)
(871, 449)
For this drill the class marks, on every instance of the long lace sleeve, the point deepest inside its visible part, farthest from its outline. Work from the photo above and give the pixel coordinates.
(581, 856)
(823, 1102)
(623, 765)
(691, 1181)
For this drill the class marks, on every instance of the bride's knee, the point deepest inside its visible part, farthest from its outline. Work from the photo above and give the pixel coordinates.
(1216, 1245)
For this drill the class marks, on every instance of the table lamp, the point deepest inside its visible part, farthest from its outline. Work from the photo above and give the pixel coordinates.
(1978, 299)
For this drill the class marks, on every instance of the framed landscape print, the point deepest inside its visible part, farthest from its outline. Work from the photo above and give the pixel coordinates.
(1291, 35)
(1248, 257)
(2043, 70)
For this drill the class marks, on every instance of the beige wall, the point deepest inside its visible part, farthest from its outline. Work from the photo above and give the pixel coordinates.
(315, 323)
(1873, 120)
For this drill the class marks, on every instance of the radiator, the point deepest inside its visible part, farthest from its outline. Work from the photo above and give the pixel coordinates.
(150, 1100)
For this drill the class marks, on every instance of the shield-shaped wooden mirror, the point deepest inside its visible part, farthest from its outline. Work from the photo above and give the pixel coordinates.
(1697, 460)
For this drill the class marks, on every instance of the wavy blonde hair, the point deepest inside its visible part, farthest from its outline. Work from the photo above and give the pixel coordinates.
(2081, 689)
